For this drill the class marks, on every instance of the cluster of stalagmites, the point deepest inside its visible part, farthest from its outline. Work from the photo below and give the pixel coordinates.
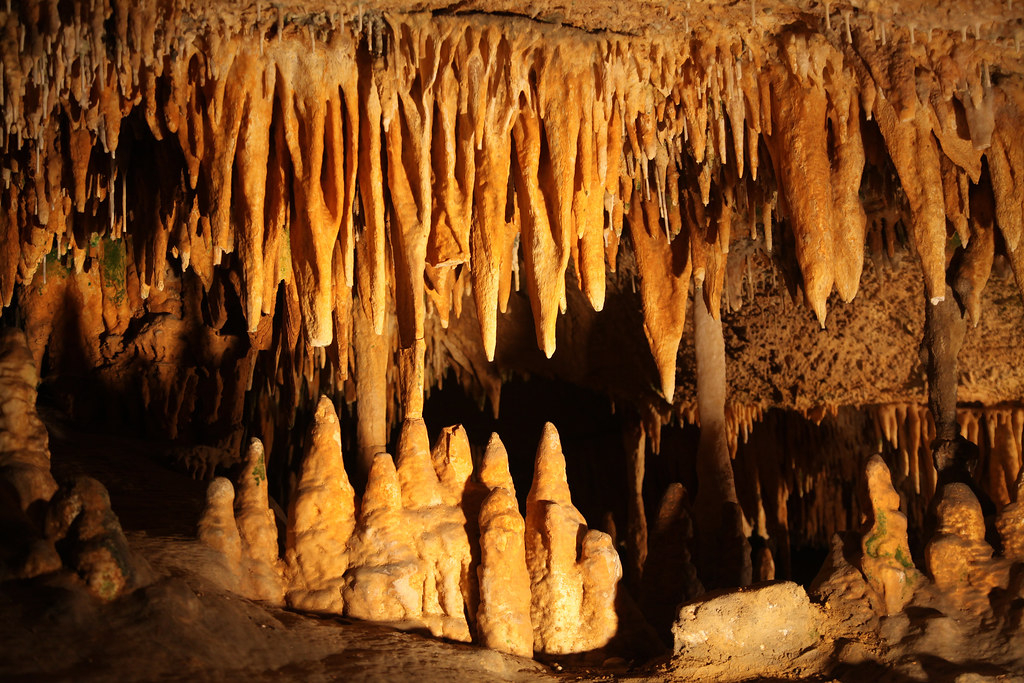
(434, 542)
(38, 518)
(432, 155)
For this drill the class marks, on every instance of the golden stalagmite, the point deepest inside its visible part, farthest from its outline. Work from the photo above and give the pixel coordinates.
(437, 530)
(321, 520)
(573, 575)
(261, 567)
(886, 562)
(380, 583)
(503, 615)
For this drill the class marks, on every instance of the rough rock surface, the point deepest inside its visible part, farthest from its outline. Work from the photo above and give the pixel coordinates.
(760, 629)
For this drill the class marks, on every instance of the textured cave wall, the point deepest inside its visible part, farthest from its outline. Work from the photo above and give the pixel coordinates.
(213, 213)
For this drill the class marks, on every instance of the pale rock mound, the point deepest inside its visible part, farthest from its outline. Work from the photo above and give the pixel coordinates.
(737, 634)
(886, 561)
(573, 600)
(321, 520)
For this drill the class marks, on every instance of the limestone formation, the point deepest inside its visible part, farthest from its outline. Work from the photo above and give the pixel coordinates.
(763, 629)
(1010, 524)
(503, 615)
(261, 566)
(93, 544)
(321, 520)
(959, 560)
(224, 219)
(886, 560)
(574, 571)
(438, 534)
(24, 449)
(26, 484)
(218, 531)
(381, 583)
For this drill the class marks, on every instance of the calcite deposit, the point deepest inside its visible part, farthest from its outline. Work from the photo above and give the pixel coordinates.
(886, 560)
(760, 261)
(574, 570)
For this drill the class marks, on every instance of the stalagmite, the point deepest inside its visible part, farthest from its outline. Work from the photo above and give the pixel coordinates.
(438, 536)
(218, 530)
(381, 583)
(81, 522)
(261, 567)
(886, 562)
(321, 520)
(24, 443)
(503, 615)
(573, 571)
(723, 552)
(958, 558)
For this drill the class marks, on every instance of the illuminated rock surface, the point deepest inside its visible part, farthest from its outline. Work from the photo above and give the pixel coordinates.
(749, 257)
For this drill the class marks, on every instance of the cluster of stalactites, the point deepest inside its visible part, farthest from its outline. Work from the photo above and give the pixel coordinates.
(996, 432)
(432, 154)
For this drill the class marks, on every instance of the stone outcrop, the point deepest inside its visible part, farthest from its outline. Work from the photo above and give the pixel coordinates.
(729, 635)
(92, 543)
